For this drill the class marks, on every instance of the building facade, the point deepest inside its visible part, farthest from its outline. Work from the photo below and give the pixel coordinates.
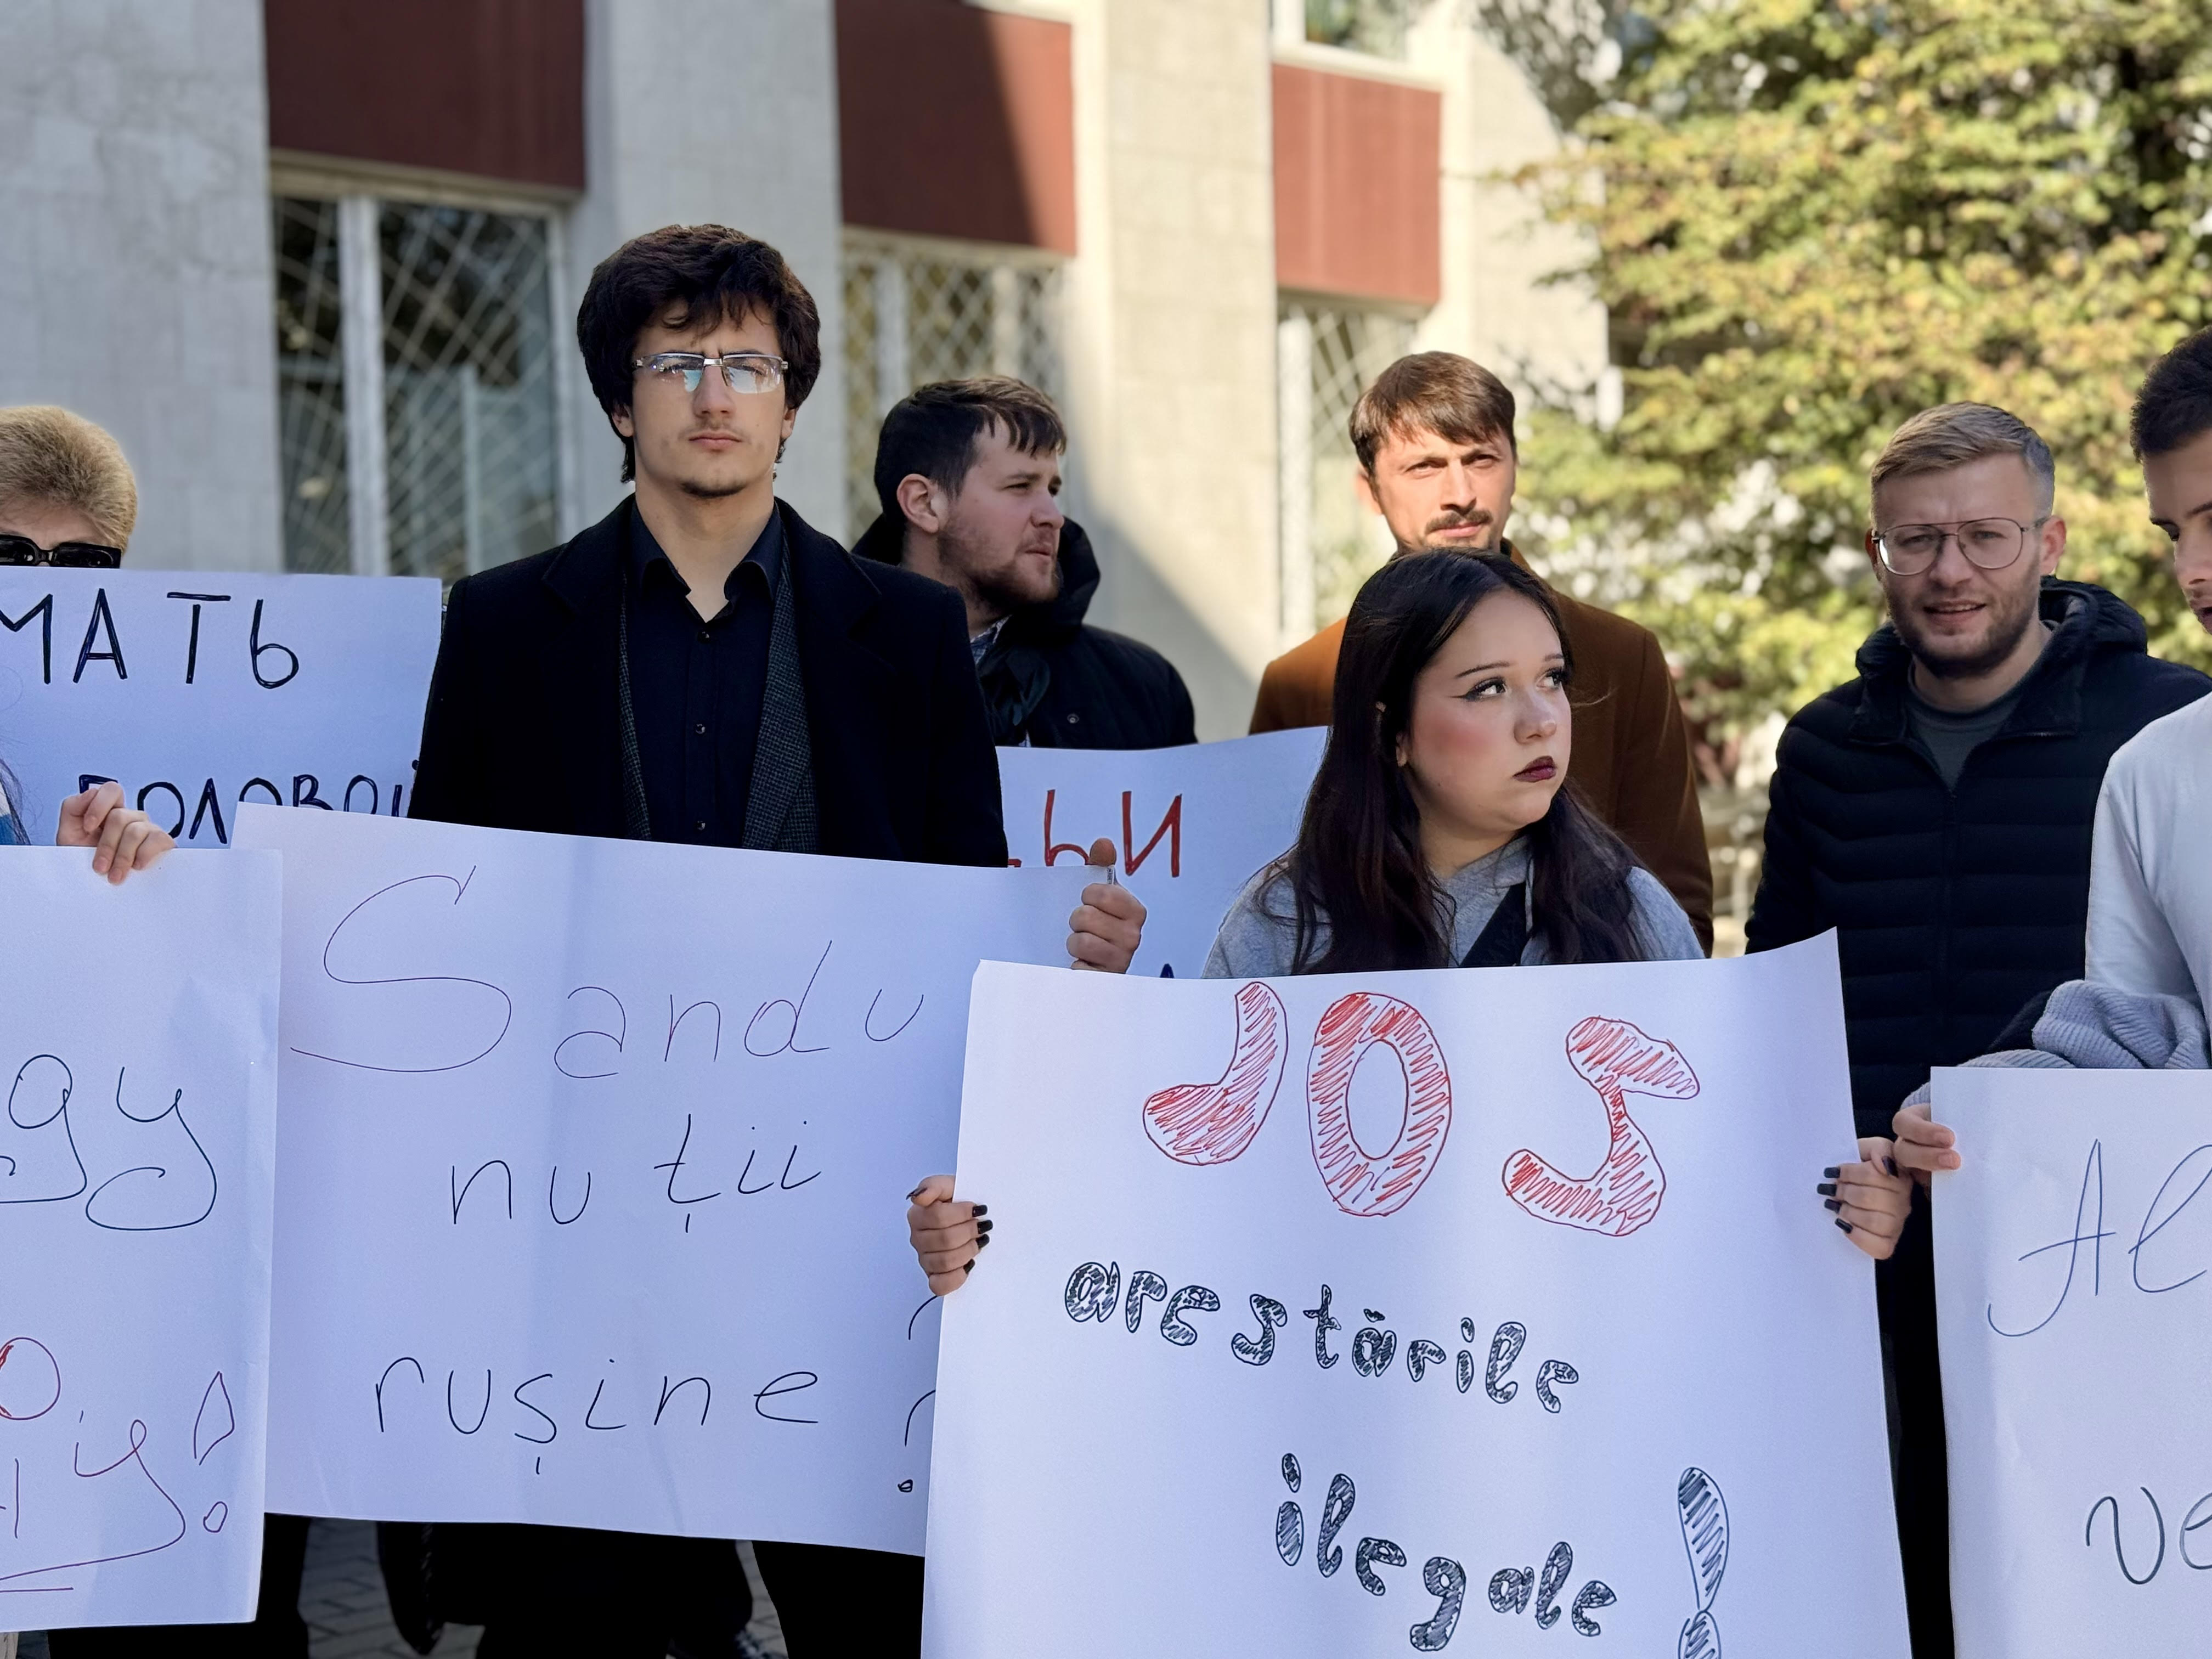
(316, 262)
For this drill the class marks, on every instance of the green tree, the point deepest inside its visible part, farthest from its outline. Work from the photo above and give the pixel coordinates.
(1812, 218)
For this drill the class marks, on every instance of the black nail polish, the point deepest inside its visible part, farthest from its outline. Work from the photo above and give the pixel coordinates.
(916, 1193)
(1826, 1189)
(982, 1241)
(984, 1226)
(1833, 1203)
(981, 1211)
(1890, 1165)
(971, 1267)
(1832, 1171)
(1844, 1225)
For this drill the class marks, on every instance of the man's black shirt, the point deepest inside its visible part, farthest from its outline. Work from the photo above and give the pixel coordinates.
(696, 687)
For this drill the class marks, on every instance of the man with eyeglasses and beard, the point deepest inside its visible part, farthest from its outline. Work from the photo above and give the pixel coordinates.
(1937, 812)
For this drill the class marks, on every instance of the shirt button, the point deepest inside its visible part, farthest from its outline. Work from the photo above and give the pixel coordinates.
(700, 826)
(701, 728)
(704, 636)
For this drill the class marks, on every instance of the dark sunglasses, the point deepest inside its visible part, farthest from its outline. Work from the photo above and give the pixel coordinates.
(74, 555)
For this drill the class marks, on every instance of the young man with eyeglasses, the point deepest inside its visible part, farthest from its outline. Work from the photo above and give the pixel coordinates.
(701, 666)
(1936, 812)
(66, 494)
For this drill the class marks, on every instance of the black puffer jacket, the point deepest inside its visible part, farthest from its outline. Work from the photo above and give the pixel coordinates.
(1053, 680)
(1953, 906)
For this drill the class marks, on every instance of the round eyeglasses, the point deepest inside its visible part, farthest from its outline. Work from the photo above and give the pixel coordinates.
(748, 373)
(1907, 549)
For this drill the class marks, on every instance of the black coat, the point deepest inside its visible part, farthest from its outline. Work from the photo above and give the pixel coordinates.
(523, 730)
(1052, 680)
(1953, 906)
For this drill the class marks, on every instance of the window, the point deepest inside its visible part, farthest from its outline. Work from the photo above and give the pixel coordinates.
(1376, 27)
(416, 405)
(917, 311)
(1328, 353)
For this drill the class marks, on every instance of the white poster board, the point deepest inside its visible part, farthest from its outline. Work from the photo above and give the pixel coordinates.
(2074, 1310)
(199, 689)
(594, 1164)
(1484, 1310)
(1191, 825)
(137, 1050)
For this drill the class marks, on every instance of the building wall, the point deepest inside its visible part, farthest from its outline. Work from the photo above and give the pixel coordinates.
(672, 138)
(135, 257)
(956, 122)
(488, 87)
(1356, 184)
(1171, 306)
(1496, 307)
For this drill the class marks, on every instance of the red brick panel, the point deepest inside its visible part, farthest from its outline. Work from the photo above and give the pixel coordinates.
(493, 88)
(1357, 197)
(956, 121)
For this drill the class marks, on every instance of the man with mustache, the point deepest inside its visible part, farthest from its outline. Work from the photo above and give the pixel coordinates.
(968, 477)
(1434, 438)
(1937, 812)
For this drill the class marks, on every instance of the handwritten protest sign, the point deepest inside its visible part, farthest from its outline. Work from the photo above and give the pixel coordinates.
(2071, 1256)
(594, 1163)
(1192, 824)
(137, 1049)
(1480, 1310)
(199, 690)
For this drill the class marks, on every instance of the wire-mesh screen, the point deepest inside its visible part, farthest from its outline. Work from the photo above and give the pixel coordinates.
(1350, 349)
(470, 473)
(915, 314)
(310, 386)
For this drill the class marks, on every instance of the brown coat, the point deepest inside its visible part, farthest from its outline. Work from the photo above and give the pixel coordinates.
(1631, 748)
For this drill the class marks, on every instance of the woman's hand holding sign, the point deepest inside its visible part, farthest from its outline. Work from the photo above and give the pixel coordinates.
(947, 1235)
(1871, 1199)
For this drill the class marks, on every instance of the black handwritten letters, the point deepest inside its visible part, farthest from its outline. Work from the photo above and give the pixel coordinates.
(174, 1186)
(1512, 1590)
(408, 1397)
(1094, 1289)
(191, 638)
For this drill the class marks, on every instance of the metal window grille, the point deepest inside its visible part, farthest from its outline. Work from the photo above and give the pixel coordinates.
(416, 386)
(1377, 26)
(311, 415)
(1330, 544)
(916, 313)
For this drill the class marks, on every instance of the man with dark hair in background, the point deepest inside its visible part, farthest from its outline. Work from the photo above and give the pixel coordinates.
(2150, 892)
(1438, 460)
(1937, 812)
(703, 666)
(968, 477)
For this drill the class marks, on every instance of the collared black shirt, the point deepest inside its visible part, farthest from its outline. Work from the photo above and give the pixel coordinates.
(696, 687)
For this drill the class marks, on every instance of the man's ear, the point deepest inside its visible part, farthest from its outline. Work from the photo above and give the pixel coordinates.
(624, 427)
(1365, 485)
(922, 502)
(2053, 547)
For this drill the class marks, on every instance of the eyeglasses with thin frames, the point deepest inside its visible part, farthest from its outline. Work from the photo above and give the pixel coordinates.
(1907, 549)
(20, 550)
(746, 372)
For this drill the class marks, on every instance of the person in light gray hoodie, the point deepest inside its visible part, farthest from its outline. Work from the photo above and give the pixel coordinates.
(2143, 1004)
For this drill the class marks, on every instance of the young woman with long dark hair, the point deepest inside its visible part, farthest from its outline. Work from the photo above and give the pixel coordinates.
(1441, 831)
